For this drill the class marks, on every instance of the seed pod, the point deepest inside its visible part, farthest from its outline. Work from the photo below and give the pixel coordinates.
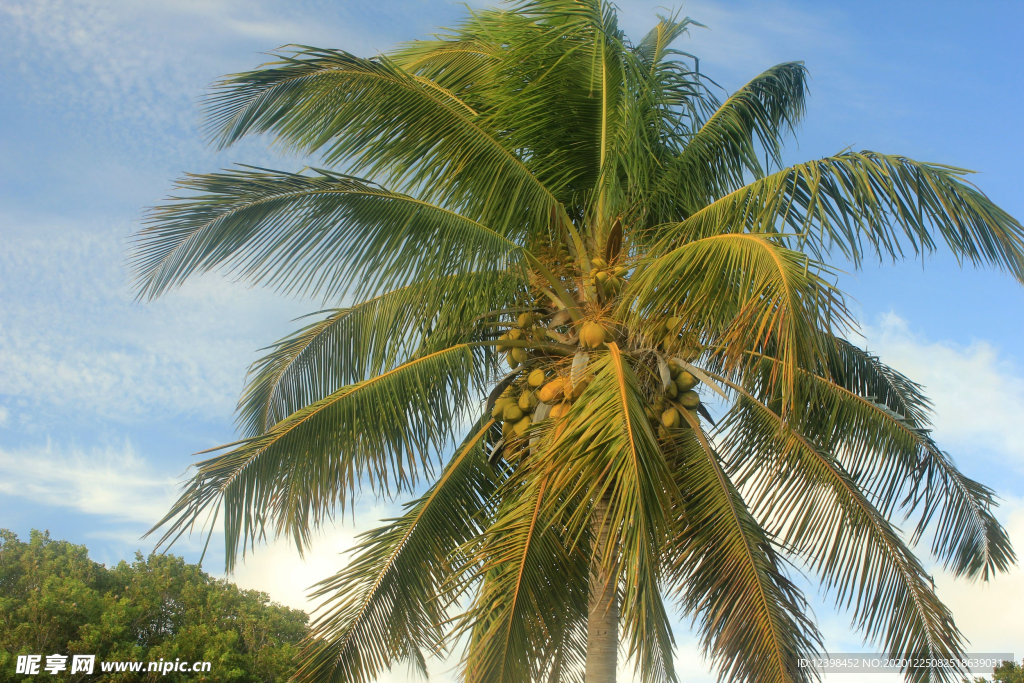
(686, 381)
(527, 401)
(536, 378)
(689, 399)
(670, 418)
(550, 391)
(520, 354)
(593, 335)
(512, 413)
(671, 391)
(525, 320)
(522, 425)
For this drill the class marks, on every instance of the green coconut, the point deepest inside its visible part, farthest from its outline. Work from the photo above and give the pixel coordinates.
(520, 354)
(670, 418)
(686, 381)
(527, 401)
(689, 399)
(671, 391)
(522, 425)
(500, 405)
(525, 320)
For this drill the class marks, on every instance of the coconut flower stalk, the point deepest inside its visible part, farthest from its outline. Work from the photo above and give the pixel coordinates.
(588, 330)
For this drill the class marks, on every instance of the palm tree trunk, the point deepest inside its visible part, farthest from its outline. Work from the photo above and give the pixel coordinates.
(603, 616)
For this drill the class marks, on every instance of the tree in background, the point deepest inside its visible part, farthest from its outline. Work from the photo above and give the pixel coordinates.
(554, 246)
(1007, 672)
(55, 600)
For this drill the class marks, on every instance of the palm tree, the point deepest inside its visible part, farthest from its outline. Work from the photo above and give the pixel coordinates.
(557, 245)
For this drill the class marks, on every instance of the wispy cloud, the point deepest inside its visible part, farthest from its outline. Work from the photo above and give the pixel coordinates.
(111, 481)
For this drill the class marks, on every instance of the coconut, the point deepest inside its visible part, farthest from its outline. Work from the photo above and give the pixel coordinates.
(618, 270)
(520, 354)
(671, 391)
(512, 413)
(673, 322)
(686, 381)
(649, 412)
(559, 410)
(525, 320)
(527, 401)
(522, 425)
(601, 276)
(511, 358)
(550, 391)
(502, 347)
(674, 369)
(592, 335)
(536, 378)
(500, 405)
(506, 429)
(662, 432)
(668, 340)
(670, 418)
(515, 334)
(599, 263)
(689, 399)
(580, 387)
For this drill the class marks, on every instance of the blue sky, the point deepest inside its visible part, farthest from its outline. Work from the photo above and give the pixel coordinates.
(102, 400)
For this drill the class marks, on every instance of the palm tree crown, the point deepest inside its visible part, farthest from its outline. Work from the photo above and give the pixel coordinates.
(558, 245)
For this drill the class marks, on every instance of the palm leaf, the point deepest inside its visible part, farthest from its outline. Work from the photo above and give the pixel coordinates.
(863, 203)
(353, 344)
(385, 430)
(388, 603)
(323, 234)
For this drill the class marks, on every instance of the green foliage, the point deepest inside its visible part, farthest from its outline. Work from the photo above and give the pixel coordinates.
(539, 186)
(54, 599)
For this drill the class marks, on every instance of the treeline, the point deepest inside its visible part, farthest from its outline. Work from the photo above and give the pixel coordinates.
(55, 600)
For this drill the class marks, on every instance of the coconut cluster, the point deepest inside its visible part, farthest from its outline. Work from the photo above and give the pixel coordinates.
(607, 279)
(548, 384)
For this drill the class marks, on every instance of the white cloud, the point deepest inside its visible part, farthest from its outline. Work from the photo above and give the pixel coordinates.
(978, 393)
(112, 481)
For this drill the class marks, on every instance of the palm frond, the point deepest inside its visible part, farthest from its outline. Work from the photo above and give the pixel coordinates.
(323, 234)
(388, 604)
(385, 431)
(729, 577)
(353, 344)
(754, 119)
(862, 204)
(763, 295)
(607, 450)
(388, 124)
(803, 494)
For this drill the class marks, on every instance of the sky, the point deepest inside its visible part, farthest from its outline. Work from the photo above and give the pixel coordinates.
(103, 400)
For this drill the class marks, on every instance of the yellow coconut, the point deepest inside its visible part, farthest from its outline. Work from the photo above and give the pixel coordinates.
(511, 358)
(506, 429)
(536, 378)
(671, 391)
(674, 369)
(525, 320)
(501, 347)
(689, 399)
(593, 335)
(512, 413)
(550, 391)
(522, 425)
(500, 405)
(601, 276)
(527, 401)
(672, 323)
(686, 381)
(670, 418)
(520, 354)
(599, 263)
(559, 410)
(515, 334)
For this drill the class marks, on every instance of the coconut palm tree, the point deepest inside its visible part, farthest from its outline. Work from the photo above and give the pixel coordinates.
(553, 246)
